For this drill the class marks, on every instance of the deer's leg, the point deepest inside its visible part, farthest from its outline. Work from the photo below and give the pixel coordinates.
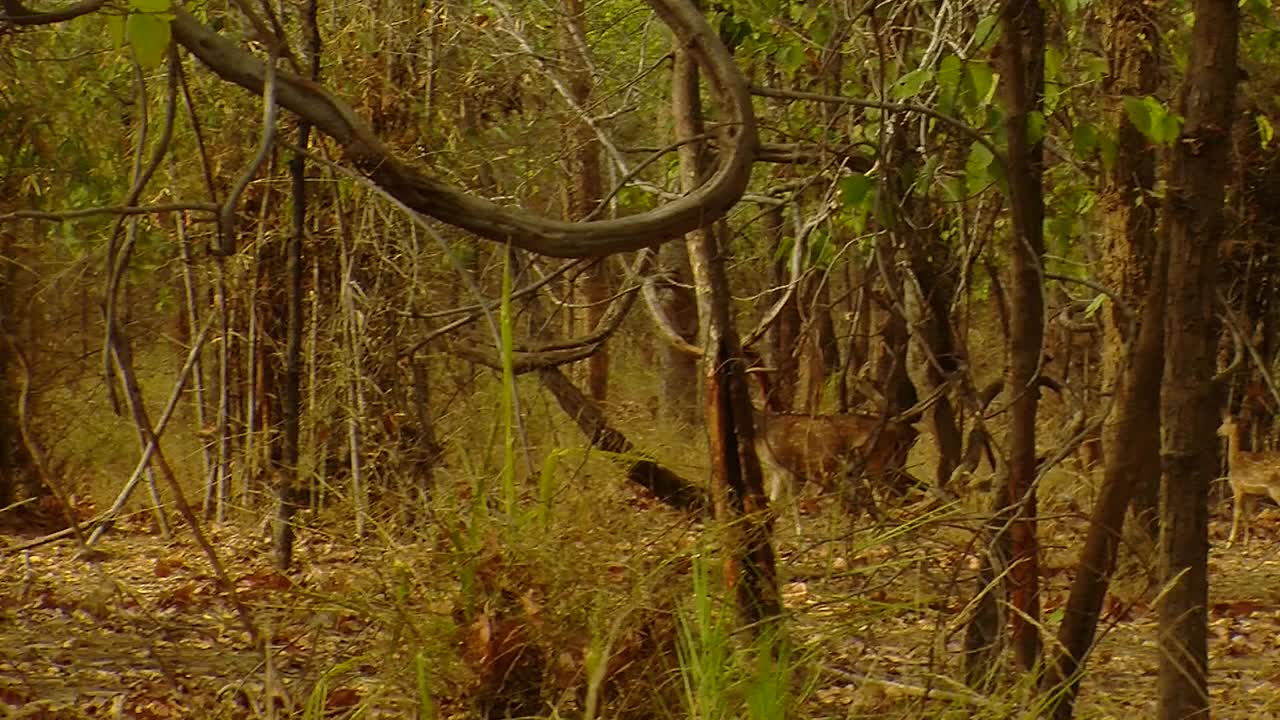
(794, 502)
(780, 484)
(1237, 509)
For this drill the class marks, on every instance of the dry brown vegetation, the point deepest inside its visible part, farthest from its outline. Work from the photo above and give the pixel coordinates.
(506, 622)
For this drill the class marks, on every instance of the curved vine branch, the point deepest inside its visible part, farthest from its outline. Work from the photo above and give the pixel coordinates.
(15, 13)
(427, 195)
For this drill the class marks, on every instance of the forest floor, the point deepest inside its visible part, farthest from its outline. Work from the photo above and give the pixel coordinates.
(142, 630)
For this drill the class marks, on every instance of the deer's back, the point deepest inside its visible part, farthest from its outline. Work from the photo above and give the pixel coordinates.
(818, 447)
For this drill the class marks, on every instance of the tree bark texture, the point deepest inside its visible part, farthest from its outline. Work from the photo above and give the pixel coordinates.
(1134, 269)
(780, 340)
(679, 369)
(586, 187)
(288, 490)
(931, 357)
(1022, 22)
(680, 389)
(1136, 401)
(738, 495)
(1129, 221)
(1198, 174)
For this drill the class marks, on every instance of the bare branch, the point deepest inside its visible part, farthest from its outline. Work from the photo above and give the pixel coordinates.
(15, 13)
(64, 215)
(959, 125)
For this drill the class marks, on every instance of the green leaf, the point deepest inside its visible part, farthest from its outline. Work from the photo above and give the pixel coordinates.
(1107, 149)
(1169, 128)
(1059, 230)
(910, 84)
(149, 36)
(1151, 118)
(924, 183)
(1095, 305)
(977, 167)
(855, 190)
(984, 82)
(986, 34)
(1265, 131)
(1164, 124)
(821, 250)
(953, 188)
(1084, 140)
(1093, 66)
(151, 6)
(949, 73)
(791, 58)
(115, 30)
(975, 84)
(1139, 115)
(1052, 78)
(1035, 127)
(784, 248)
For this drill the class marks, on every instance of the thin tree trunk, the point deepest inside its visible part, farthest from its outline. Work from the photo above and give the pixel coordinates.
(288, 491)
(221, 482)
(586, 189)
(737, 481)
(780, 341)
(10, 447)
(1022, 22)
(891, 365)
(1136, 402)
(1198, 174)
(253, 370)
(352, 334)
(191, 295)
(679, 369)
(680, 377)
(823, 350)
(1135, 269)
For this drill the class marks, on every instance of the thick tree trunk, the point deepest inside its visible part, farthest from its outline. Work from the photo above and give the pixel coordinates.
(924, 292)
(1193, 220)
(1022, 22)
(686, 112)
(1129, 219)
(891, 364)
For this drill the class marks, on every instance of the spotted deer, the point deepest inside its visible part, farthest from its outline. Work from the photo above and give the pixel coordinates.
(1249, 473)
(823, 449)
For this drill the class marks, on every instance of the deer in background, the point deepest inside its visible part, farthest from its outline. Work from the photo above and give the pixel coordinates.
(795, 448)
(1249, 473)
